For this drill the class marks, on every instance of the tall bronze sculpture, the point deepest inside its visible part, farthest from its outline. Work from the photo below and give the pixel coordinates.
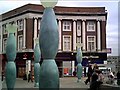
(10, 70)
(79, 60)
(37, 57)
(48, 41)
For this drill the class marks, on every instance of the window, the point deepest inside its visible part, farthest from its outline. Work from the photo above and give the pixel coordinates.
(4, 44)
(20, 42)
(66, 43)
(78, 28)
(66, 26)
(91, 43)
(90, 26)
(20, 25)
(79, 40)
(4, 28)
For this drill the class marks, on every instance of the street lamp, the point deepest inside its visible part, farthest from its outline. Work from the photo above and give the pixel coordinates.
(48, 41)
(10, 70)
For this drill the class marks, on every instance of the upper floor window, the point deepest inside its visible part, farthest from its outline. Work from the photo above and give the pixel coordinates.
(66, 43)
(79, 40)
(4, 44)
(78, 28)
(20, 42)
(91, 44)
(4, 28)
(20, 25)
(90, 26)
(66, 26)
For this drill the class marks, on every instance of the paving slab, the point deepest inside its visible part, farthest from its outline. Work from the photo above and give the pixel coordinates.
(66, 82)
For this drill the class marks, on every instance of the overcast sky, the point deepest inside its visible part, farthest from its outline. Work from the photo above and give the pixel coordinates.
(110, 5)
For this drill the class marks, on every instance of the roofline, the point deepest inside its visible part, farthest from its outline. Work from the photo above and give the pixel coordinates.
(59, 10)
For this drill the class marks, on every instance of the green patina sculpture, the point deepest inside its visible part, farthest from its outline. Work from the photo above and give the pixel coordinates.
(79, 66)
(10, 70)
(37, 56)
(48, 41)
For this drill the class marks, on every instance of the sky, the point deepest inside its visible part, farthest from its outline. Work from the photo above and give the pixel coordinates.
(110, 5)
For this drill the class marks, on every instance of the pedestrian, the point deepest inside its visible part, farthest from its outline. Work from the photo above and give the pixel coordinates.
(30, 76)
(2, 76)
(94, 83)
(89, 74)
(100, 78)
(85, 71)
(118, 77)
(25, 77)
(95, 67)
(74, 73)
(111, 78)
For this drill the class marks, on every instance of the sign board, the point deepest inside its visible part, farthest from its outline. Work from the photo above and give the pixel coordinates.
(109, 50)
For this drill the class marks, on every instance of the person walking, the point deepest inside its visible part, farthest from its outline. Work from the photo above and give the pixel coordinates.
(89, 74)
(85, 71)
(118, 77)
(95, 67)
(30, 76)
(94, 83)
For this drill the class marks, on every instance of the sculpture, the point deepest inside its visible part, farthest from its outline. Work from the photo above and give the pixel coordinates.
(48, 41)
(79, 60)
(37, 56)
(10, 70)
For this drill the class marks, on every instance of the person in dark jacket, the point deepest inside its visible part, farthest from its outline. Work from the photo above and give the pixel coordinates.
(95, 67)
(30, 76)
(118, 77)
(89, 74)
(94, 83)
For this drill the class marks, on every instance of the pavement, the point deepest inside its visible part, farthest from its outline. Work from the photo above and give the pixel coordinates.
(66, 82)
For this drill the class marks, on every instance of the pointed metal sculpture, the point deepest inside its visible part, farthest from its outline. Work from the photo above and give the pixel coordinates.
(10, 70)
(48, 41)
(37, 56)
(79, 60)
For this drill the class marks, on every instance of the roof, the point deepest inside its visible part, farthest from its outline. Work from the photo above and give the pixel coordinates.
(57, 9)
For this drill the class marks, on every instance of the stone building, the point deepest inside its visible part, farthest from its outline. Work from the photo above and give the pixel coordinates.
(86, 25)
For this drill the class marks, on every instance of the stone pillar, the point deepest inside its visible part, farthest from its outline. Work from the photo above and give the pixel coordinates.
(59, 29)
(98, 36)
(38, 27)
(24, 33)
(28, 66)
(73, 66)
(74, 35)
(83, 35)
(35, 29)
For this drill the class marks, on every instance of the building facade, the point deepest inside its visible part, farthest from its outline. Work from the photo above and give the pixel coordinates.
(86, 25)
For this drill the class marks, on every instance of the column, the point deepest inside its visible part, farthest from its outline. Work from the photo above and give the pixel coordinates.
(73, 66)
(83, 34)
(1, 38)
(28, 66)
(59, 30)
(98, 36)
(38, 27)
(35, 29)
(24, 34)
(74, 35)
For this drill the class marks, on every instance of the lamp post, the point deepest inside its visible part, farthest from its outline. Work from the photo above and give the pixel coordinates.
(10, 70)
(48, 41)
(79, 60)
(37, 56)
